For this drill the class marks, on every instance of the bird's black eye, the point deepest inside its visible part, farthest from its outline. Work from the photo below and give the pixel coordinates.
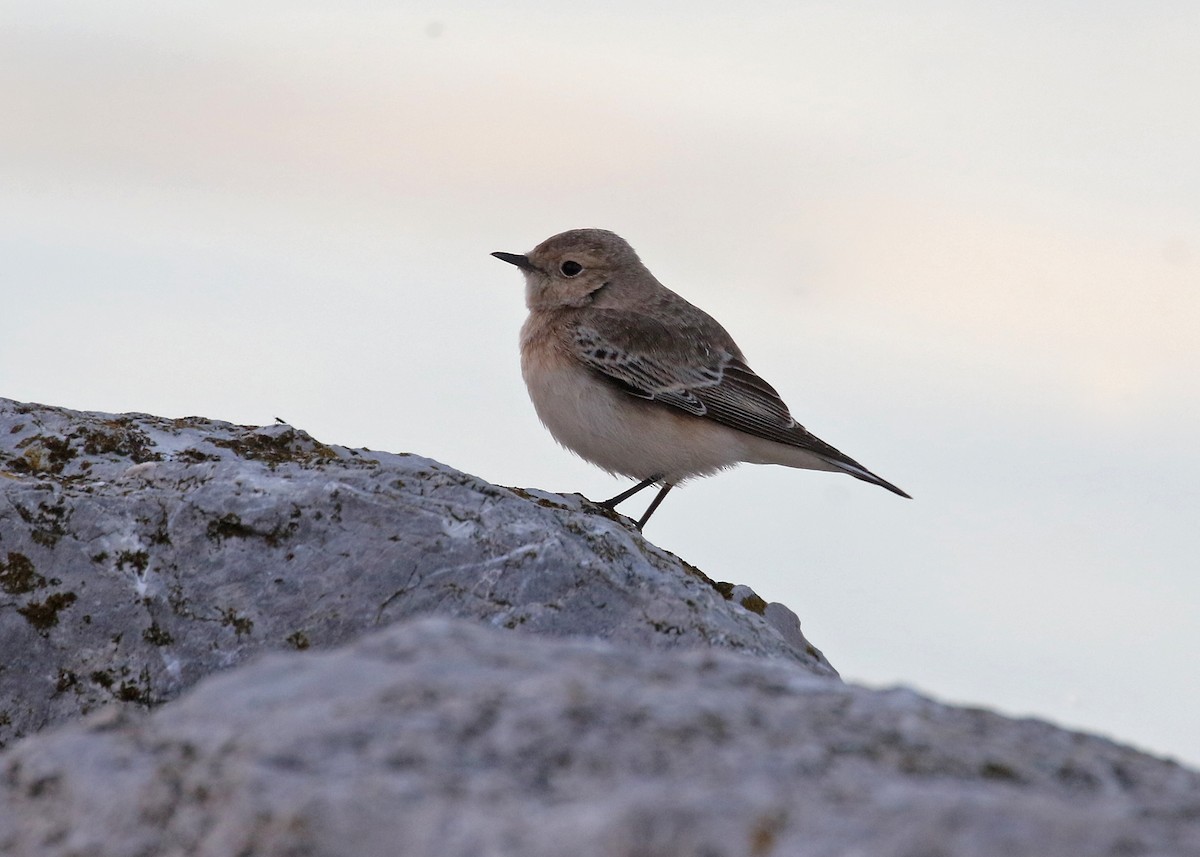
(570, 268)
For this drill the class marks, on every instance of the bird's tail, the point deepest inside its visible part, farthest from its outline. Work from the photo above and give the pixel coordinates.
(856, 470)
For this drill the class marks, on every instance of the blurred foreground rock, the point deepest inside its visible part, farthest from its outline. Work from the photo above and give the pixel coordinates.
(444, 738)
(138, 555)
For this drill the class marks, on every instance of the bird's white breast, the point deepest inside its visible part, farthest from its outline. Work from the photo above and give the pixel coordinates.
(613, 429)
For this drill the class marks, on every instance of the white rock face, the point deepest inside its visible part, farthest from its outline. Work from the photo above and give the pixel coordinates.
(138, 554)
(141, 556)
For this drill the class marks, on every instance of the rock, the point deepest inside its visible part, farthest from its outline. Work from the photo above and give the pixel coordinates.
(443, 737)
(414, 687)
(139, 554)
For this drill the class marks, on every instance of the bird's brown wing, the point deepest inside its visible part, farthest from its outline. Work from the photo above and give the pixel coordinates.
(694, 365)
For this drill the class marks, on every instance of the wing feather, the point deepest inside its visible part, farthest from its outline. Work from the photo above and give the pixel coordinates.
(697, 372)
(695, 366)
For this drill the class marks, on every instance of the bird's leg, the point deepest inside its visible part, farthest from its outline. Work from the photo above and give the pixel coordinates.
(653, 505)
(625, 495)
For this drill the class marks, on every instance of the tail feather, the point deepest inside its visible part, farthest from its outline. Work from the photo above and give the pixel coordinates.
(859, 472)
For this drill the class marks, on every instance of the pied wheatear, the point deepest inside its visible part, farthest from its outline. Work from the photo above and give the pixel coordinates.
(633, 378)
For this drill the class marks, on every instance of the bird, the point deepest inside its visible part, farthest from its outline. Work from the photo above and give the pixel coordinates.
(632, 377)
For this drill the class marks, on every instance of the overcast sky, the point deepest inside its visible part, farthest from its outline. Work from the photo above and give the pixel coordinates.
(961, 239)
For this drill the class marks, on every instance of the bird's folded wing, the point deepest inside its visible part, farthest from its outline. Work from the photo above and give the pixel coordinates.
(696, 368)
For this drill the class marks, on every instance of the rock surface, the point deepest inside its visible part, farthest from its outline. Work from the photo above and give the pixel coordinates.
(445, 738)
(441, 706)
(138, 554)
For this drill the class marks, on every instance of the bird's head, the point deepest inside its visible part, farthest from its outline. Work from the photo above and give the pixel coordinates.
(568, 269)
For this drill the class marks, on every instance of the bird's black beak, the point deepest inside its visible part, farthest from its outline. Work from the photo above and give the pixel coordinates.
(517, 259)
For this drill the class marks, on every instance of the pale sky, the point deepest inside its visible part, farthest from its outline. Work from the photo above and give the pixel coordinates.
(962, 240)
